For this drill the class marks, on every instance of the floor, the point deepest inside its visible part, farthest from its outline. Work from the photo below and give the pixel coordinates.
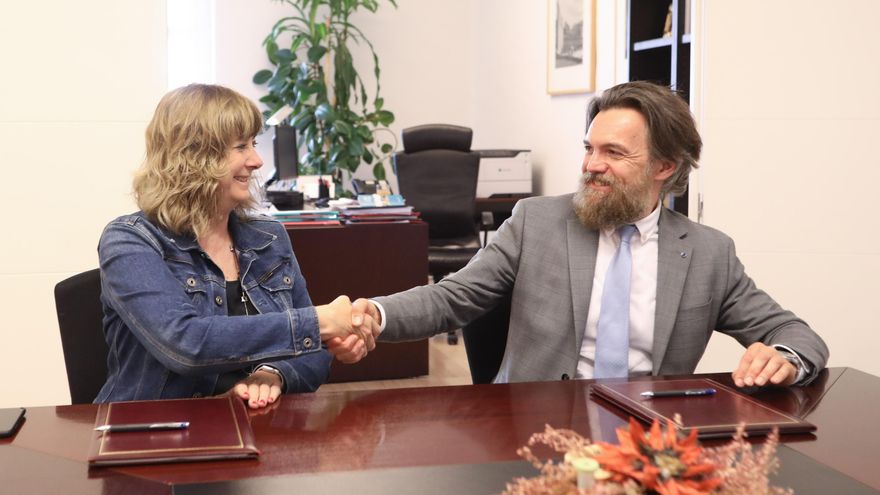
(447, 366)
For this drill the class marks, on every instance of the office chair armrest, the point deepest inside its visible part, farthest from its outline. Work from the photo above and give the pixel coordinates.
(487, 221)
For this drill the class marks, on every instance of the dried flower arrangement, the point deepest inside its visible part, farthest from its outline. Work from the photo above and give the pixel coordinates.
(653, 462)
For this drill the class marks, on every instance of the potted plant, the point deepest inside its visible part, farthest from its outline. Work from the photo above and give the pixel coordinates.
(314, 76)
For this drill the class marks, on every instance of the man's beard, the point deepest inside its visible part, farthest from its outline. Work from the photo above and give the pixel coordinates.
(622, 204)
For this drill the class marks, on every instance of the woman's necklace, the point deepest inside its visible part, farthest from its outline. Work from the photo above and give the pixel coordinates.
(244, 298)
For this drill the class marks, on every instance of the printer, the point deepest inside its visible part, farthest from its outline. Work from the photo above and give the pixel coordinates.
(504, 172)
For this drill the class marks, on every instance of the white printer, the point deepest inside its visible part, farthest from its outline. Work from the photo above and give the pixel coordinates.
(504, 172)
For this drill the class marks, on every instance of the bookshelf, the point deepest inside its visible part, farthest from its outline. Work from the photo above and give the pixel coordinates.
(666, 60)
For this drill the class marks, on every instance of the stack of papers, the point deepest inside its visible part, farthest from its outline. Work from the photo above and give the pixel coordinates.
(380, 200)
(306, 217)
(374, 214)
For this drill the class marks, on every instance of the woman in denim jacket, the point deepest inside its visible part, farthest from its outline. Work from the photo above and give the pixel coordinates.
(200, 297)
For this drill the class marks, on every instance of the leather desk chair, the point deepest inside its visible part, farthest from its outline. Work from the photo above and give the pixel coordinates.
(437, 174)
(80, 315)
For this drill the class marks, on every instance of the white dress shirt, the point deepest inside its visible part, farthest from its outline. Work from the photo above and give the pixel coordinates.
(642, 298)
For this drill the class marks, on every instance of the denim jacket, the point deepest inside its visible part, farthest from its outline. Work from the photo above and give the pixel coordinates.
(165, 313)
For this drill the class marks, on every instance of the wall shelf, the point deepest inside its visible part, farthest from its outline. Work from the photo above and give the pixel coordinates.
(652, 44)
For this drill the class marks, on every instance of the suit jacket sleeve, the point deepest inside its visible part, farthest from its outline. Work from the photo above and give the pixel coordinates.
(459, 298)
(750, 315)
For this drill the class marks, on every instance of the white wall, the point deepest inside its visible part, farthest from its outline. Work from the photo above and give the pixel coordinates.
(789, 112)
(80, 80)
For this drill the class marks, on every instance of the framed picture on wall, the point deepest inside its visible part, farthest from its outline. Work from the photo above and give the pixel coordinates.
(571, 46)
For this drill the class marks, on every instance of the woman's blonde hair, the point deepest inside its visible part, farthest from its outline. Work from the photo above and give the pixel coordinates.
(187, 143)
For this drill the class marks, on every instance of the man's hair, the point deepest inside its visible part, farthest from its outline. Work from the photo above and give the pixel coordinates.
(187, 141)
(672, 133)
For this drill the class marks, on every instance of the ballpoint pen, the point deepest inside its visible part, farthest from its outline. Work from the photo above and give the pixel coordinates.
(690, 392)
(174, 425)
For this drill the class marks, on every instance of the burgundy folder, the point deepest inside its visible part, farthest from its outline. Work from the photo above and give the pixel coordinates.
(716, 415)
(219, 429)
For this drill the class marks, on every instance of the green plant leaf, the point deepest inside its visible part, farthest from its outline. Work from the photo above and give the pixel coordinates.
(367, 156)
(285, 56)
(271, 48)
(315, 53)
(343, 128)
(385, 117)
(325, 113)
(262, 76)
(320, 32)
(356, 147)
(303, 120)
(379, 103)
(386, 148)
(379, 171)
(335, 151)
(297, 41)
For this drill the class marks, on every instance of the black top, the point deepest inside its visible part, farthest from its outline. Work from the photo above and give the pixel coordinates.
(237, 305)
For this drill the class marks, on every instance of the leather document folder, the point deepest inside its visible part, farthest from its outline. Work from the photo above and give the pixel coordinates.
(716, 415)
(218, 429)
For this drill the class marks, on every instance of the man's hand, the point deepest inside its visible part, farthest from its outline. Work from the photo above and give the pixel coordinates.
(364, 316)
(763, 364)
(260, 389)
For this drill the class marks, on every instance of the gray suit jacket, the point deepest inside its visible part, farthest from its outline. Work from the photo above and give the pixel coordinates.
(546, 257)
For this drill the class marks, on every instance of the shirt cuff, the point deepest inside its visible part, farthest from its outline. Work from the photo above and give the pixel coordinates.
(803, 370)
(381, 315)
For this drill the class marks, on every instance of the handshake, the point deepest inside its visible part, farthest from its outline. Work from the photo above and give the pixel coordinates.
(349, 329)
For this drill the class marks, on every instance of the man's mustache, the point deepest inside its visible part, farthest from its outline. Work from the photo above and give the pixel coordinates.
(598, 179)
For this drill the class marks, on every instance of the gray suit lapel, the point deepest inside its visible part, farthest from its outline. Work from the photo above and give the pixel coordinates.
(582, 246)
(673, 260)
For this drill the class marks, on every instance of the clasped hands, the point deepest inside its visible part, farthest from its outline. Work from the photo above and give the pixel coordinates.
(349, 329)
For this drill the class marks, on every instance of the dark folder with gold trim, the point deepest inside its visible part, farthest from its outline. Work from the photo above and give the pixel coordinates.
(713, 415)
(218, 429)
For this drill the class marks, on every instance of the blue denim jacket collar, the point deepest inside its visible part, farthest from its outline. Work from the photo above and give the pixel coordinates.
(245, 236)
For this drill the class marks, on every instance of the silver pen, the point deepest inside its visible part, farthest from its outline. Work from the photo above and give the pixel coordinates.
(173, 425)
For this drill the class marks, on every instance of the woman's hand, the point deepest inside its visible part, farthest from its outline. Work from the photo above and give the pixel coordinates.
(259, 389)
(352, 348)
(340, 319)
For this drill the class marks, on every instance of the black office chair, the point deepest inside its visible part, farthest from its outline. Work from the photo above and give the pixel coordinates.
(484, 341)
(437, 174)
(78, 303)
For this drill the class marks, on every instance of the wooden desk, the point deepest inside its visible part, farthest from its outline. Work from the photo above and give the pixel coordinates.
(367, 261)
(429, 439)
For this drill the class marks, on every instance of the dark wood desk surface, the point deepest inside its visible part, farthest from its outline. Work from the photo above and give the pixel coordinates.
(368, 431)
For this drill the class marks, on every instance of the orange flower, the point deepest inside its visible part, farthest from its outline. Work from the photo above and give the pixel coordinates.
(659, 461)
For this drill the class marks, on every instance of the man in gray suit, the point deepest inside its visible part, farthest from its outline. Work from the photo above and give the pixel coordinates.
(554, 253)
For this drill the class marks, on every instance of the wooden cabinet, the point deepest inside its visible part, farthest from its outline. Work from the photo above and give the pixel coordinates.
(367, 261)
(666, 60)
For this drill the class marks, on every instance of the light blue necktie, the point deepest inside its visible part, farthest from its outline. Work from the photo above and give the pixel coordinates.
(612, 339)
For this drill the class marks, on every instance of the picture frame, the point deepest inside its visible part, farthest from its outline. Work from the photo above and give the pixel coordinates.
(571, 46)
